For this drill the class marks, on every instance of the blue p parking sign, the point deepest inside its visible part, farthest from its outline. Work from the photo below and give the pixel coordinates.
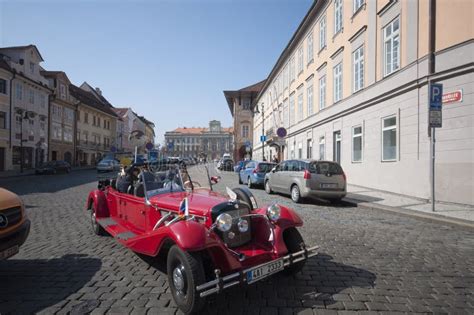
(436, 105)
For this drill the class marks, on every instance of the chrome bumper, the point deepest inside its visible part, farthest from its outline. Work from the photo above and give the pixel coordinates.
(221, 283)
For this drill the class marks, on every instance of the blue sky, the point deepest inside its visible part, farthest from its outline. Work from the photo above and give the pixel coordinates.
(168, 60)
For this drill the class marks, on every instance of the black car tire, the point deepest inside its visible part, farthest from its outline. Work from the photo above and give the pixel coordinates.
(294, 243)
(249, 182)
(187, 298)
(96, 228)
(268, 189)
(295, 194)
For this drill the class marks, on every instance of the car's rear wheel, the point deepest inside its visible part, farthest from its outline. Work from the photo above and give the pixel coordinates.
(96, 228)
(295, 194)
(268, 188)
(185, 272)
(294, 243)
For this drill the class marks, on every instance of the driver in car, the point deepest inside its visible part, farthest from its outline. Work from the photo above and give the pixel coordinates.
(172, 181)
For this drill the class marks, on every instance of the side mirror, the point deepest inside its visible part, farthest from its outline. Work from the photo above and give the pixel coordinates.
(274, 170)
(215, 179)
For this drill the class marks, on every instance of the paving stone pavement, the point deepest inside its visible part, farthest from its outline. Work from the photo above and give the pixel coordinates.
(369, 262)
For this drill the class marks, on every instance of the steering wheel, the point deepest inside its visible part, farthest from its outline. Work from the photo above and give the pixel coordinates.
(188, 183)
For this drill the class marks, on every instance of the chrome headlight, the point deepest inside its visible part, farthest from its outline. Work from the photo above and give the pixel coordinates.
(224, 222)
(273, 212)
(243, 225)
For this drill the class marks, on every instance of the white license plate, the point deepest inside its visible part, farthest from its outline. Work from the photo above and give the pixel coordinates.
(9, 252)
(328, 185)
(261, 272)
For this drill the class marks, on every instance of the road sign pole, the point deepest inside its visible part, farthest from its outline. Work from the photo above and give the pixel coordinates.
(433, 157)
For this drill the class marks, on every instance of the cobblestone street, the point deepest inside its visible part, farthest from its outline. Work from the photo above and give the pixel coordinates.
(368, 261)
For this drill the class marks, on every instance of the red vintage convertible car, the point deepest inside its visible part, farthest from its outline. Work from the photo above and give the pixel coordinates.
(208, 241)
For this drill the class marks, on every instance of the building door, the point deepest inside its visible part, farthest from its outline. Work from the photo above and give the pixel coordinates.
(337, 147)
(2, 159)
(68, 157)
(54, 155)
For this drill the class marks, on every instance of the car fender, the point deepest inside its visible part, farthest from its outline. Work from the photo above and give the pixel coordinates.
(98, 198)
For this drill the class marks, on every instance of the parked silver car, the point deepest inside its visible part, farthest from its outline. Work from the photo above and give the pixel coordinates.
(108, 166)
(307, 178)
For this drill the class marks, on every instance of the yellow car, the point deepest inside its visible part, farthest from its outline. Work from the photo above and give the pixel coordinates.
(14, 225)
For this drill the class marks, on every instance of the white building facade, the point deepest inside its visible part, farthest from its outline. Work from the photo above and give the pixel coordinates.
(352, 86)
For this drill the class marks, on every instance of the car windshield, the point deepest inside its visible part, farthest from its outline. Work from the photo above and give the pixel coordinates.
(266, 167)
(325, 168)
(165, 178)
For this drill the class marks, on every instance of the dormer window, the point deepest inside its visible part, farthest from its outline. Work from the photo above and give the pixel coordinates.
(32, 67)
(62, 90)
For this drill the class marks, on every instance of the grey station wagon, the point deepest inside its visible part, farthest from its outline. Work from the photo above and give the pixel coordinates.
(307, 178)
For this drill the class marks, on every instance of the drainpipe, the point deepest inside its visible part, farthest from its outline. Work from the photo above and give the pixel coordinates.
(11, 109)
(431, 71)
(50, 96)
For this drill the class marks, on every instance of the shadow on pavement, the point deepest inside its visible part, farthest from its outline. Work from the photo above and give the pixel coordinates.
(47, 183)
(29, 286)
(321, 279)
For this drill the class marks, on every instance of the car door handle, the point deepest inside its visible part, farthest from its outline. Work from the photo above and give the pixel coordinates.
(142, 212)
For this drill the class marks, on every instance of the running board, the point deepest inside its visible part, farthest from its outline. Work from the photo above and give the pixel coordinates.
(221, 283)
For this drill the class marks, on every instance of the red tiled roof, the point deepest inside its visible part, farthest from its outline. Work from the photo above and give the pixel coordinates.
(120, 111)
(251, 90)
(198, 130)
(88, 99)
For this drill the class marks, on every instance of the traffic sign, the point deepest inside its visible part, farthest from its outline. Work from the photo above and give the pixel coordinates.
(263, 138)
(436, 105)
(149, 146)
(281, 132)
(247, 143)
(113, 149)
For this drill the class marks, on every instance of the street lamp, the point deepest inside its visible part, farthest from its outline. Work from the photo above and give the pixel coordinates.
(23, 114)
(262, 137)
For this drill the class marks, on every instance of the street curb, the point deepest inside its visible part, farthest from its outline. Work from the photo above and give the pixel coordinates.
(33, 174)
(430, 217)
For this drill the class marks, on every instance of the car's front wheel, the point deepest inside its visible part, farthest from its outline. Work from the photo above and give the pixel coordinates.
(185, 272)
(249, 182)
(294, 243)
(96, 228)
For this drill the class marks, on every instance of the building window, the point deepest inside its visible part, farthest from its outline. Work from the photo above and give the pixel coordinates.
(392, 46)
(322, 92)
(357, 5)
(42, 98)
(246, 104)
(292, 110)
(300, 105)
(322, 33)
(337, 16)
(98, 121)
(32, 96)
(309, 149)
(32, 67)
(389, 138)
(57, 131)
(3, 86)
(358, 68)
(300, 150)
(322, 144)
(357, 144)
(245, 131)
(62, 90)
(300, 59)
(310, 47)
(3, 120)
(93, 120)
(292, 69)
(338, 82)
(86, 118)
(286, 117)
(309, 95)
(19, 91)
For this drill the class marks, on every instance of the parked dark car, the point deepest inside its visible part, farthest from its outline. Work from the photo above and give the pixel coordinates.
(307, 178)
(254, 173)
(225, 164)
(54, 167)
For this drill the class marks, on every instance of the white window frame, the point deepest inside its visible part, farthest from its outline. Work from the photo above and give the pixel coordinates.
(357, 5)
(300, 59)
(358, 69)
(310, 48)
(396, 137)
(338, 16)
(361, 136)
(19, 91)
(245, 131)
(322, 143)
(309, 99)
(322, 92)
(322, 33)
(291, 112)
(300, 104)
(337, 84)
(292, 69)
(392, 65)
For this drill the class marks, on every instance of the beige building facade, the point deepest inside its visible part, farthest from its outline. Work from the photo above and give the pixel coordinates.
(96, 127)
(240, 106)
(352, 86)
(6, 76)
(62, 118)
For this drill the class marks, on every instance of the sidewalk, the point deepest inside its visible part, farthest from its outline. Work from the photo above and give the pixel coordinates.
(381, 200)
(7, 174)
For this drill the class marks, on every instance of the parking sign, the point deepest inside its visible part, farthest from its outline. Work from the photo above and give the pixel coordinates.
(436, 103)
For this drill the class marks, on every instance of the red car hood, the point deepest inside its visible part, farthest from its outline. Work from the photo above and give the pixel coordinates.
(200, 201)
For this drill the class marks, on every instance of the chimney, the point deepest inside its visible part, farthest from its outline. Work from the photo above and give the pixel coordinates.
(98, 91)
